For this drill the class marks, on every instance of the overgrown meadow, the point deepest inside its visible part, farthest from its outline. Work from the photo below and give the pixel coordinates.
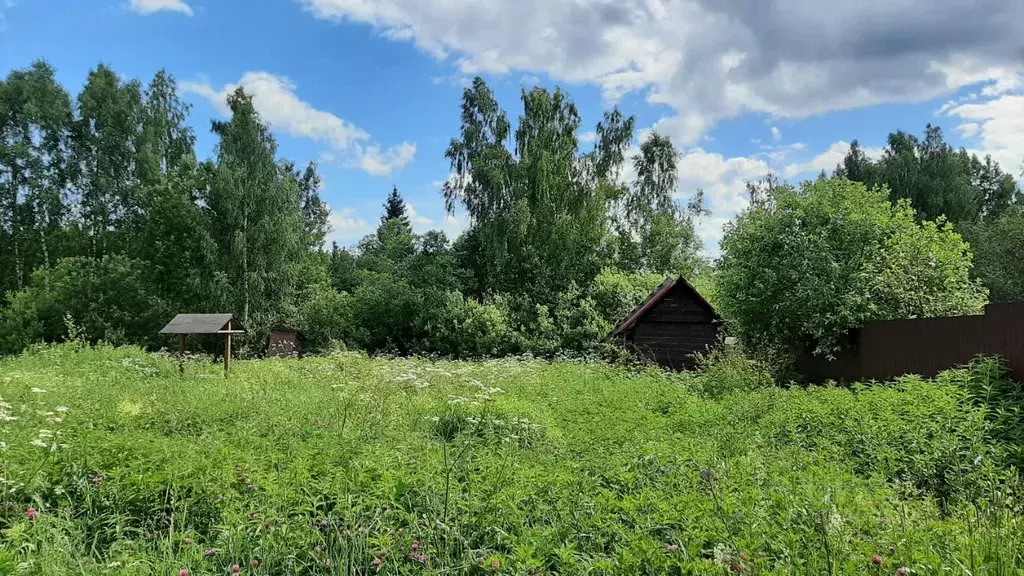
(113, 463)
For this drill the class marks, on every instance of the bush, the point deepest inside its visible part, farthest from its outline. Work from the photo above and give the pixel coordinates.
(384, 313)
(615, 294)
(110, 299)
(467, 328)
(727, 369)
(327, 320)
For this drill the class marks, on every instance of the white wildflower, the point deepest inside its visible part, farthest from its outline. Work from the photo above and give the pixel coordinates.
(56, 420)
(44, 433)
(38, 442)
(3, 445)
(5, 405)
(7, 417)
(38, 390)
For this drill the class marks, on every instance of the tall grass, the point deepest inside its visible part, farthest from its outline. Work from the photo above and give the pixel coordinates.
(113, 463)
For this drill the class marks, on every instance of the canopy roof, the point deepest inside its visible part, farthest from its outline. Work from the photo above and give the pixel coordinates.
(203, 324)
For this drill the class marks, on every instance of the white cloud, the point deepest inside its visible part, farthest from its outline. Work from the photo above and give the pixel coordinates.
(415, 217)
(153, 6)
(529, 80)
(378, 163)
(588, 137)
(997, 127)
(776, 134)
(724, 182)
(453, 225)
(276, 101)
(346, 226)
(827, 160)
(710, 60)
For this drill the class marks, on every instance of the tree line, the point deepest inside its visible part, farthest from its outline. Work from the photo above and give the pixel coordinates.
(110, 224)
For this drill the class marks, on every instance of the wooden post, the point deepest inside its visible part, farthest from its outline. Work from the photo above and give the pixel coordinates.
(181, 353)
(227, 351)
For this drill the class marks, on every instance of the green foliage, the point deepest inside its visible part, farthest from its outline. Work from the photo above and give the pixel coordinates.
(110, 299)
(35, 123)
(985, 382)
(935, 178)
(326, 319)
(802, 267)
(465, 328)
(539, 213)
(325, 464)
(653, 233)
(997, 246)
(726, 369)
(616, 294)
(395, 209)
(254, 210)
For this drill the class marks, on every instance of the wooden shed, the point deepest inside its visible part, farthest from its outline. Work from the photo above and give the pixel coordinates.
(672, 324)
(285, 343)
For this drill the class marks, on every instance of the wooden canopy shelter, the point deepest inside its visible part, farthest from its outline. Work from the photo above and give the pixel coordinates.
(671, 325)
(225, 324)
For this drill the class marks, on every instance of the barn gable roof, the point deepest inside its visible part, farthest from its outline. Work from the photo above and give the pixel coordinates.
(656, 296)
(202, 324)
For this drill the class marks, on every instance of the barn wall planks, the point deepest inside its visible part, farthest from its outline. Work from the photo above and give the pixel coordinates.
(926, 346)
(675, 328)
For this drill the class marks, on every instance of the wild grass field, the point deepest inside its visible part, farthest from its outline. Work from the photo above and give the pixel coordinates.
(113, 463)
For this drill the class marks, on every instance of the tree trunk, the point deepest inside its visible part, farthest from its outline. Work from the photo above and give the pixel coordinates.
(245, 266)
(42, 244)
(18, 268)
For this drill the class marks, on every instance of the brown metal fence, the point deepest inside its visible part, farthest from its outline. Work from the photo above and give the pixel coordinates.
(926, 346)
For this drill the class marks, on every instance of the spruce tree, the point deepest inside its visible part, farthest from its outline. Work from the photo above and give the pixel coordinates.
(395, 208)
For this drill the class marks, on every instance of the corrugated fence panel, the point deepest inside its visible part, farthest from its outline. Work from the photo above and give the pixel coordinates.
(926, 346)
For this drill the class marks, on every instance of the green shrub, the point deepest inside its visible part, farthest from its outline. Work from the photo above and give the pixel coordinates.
(615, 294)
(108, 299)
(724, 370)
(985, 382)
(326, 320)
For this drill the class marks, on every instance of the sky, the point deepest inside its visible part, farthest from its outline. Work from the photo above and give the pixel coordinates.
(371, 89)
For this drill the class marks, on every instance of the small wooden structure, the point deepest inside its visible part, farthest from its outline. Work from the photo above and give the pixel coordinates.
(183, 324)
(285, 343)
(671, 325)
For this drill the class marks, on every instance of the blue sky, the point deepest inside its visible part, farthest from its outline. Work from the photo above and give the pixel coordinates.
(371, 88)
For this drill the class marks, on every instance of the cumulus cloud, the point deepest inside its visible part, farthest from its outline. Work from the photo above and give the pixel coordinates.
(153, 6)
(776, 134)
(827, 161)
(995, 125)
(380, 163)
(415, 217)
(346, 226)
(276, 100)
(710, 60)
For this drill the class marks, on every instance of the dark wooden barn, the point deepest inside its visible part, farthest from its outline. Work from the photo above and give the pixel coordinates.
(672, 324)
